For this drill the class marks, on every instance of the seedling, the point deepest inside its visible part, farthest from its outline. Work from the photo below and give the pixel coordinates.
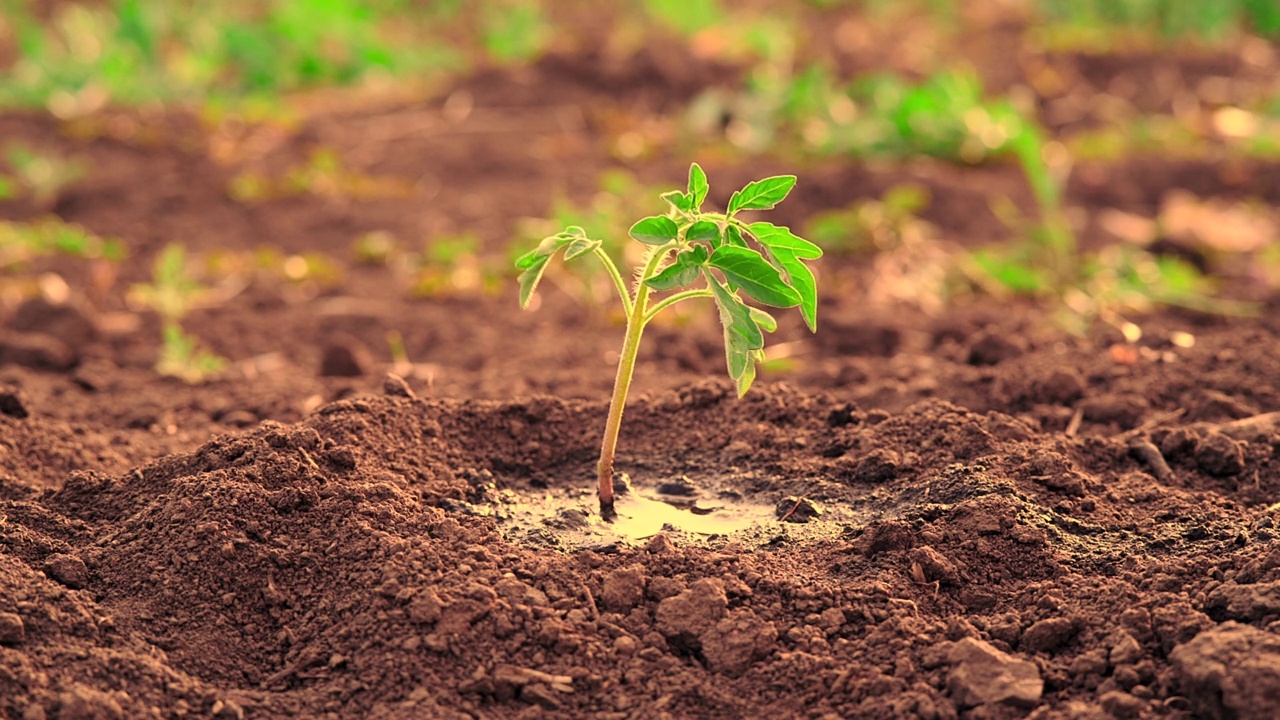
(172, 293)
(21, 243)
(692, 253)
(42, 176)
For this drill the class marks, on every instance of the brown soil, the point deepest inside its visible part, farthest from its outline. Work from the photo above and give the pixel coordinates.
(984, 517)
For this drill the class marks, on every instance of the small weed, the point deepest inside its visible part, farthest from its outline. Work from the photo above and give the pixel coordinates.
(1046, 261)
(21, 243)
(42, 177)
(376, 247)
(172, 294)
(1168, 19)
(874, 225)
(693, 254)
(323, 175)
(455, 266)
(136, 51)
(876, 116)
(514, 32)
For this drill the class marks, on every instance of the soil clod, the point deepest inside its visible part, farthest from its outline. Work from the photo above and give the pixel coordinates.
(1231, 671)
(12, 629)
(983, 675)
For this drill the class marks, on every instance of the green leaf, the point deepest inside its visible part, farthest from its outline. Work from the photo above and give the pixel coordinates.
(762, 194)
(749, 270)
(766, 321)
(678, 200)
(580, 247)
(804, 283)
(733, 236)
(697, 185)
(549, 246)
(656, 230)
(681, 272)
(575, 243)
(703, 230)
(748, 375)
(742, 337)
(530, 278)
(776, 237)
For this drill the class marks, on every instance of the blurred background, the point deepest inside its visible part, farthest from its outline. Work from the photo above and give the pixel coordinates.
(205, 182)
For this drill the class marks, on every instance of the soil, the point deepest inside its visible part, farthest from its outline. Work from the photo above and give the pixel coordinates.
(955, 513)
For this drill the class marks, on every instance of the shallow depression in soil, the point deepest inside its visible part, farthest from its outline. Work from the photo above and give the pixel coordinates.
(570, 520)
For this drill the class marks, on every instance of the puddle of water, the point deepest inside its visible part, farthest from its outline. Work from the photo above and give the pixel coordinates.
(640, 518)
(691, 515)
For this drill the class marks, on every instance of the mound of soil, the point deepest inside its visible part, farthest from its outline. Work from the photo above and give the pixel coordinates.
(336, 567)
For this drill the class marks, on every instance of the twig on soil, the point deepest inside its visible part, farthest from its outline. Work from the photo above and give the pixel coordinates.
(591, 603)
(790, 512)
(310, 461)
(1142, 448)
(1073, 426)
(1152, 422)
(1257, 427)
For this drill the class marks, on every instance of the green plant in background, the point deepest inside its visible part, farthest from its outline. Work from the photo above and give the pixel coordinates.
(1211, 19)
(455, 265)
(686, 16)
(172, 293)
(873, 225)
(322, 175)
(133, 51)
(514, 32)
(23, 242)
(1046, 261)
(692, 253)
(880, 115)
(40, 176)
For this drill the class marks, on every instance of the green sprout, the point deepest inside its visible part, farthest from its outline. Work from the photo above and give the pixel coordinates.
(696, 254)
(172, 294)
(42, 177)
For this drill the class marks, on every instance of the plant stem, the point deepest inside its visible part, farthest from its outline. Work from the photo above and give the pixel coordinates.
(618, 282)
(636, 320)
(672, 300)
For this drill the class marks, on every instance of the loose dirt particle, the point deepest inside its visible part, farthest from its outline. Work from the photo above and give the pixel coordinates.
(884, 536)
(81, 702)
(1244, 602)
(1231, 671)
(982, 675)
(660, 544)
(12, 631)
(683, 618)
(68, 570)
(1061, 387)
(13, 403)
(37, 351)
(1048, 634)
(994, 347)
(1121, 704)
(425, 607)
(737, 641)
(623, 589)
(395, 386)
(1124, 649)
(345, 357)
(1219, 455)
(935, 566)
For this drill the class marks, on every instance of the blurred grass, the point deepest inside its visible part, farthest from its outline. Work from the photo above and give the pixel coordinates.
(75, 57)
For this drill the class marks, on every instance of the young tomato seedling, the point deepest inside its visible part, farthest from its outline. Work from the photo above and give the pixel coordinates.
(696, 254)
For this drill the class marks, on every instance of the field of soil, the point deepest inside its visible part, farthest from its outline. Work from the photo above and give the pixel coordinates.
(965, 512)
